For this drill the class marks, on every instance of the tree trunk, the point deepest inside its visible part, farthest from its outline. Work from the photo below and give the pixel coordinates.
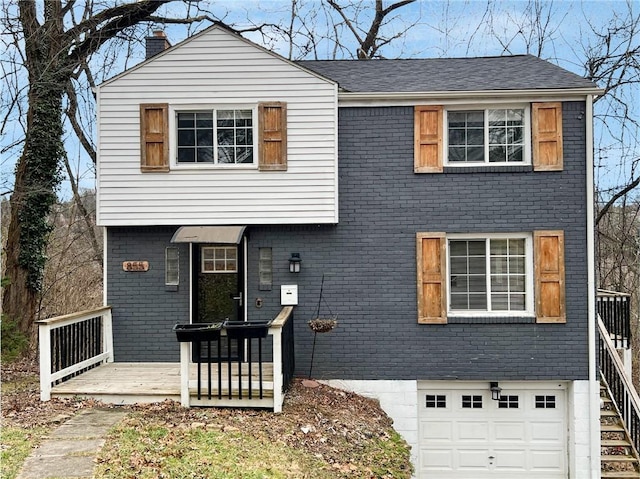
(36, 181)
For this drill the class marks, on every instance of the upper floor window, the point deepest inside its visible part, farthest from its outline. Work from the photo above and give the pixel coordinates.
(454, 136)
(487, 136)
(215, 137)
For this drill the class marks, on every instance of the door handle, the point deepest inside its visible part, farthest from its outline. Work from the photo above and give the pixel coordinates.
(238, 298)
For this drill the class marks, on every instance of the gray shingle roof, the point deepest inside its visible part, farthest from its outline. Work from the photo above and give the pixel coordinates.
(519, 72)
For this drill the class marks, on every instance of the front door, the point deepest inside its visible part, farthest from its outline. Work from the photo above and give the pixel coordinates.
(218, 280)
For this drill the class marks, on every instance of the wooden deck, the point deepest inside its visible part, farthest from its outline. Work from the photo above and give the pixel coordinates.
(131, 383)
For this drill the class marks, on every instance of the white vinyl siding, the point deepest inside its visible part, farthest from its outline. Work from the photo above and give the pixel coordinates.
(217, 68)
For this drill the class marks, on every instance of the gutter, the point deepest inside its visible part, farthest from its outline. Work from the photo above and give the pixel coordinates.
(594, 401)
(349, 97)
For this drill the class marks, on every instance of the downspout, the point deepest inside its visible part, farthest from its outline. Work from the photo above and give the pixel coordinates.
(594, 402)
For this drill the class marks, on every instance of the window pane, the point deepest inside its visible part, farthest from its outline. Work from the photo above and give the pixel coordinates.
(499, 284)
(225, 137)
(186, 138)
(243, 137)
(205, 137)
(497, 154)
(459, 301)
(497, 136)
(516, 247)
(515, 153)
(457, 154)
(458, 248)
(516, 265)
(204, 120)
(500, 302)
(459, 284)
(517, 302)
(498, 247)
(458, 265)
(497, 117)
(476, 248)
(475, 154)
(457, 119)
(457, 137)
(499, 265)
(516, 283)
(186, 155)
(477, 284)
(475, 137)
(477, 301)
(245, 155)
(475, 119)
(477, 265)
(515, 117)
(225, 155)
(205, 155)
(514, 135)
(185, 120)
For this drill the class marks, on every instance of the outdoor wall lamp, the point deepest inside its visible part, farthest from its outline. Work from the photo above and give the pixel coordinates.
(495, 390)
(294, 263)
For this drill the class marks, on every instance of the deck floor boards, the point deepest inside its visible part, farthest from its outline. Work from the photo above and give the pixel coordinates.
(125, 383)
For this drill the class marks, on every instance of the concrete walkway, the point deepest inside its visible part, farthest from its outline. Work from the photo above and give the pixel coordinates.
(71, 449)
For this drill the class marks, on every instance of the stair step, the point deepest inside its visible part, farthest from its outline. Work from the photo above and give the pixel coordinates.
(617, 458)
(620, 474)
(607, 412)
(605, 399)
(614, 443)
(611, 428)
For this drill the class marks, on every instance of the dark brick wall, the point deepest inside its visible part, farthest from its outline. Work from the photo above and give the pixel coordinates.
(370, 269)
(144, 309)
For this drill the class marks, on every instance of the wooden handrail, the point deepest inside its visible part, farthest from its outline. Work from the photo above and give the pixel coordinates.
(68, 318)
(615, 357)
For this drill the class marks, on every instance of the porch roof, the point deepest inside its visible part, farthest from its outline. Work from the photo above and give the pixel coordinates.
(208, 234)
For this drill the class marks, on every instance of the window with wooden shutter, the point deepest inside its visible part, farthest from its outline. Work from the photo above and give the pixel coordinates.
(549, 276)
(154, 137)
(547, 136)
(431, 267)
(272, 137)
(428, 139)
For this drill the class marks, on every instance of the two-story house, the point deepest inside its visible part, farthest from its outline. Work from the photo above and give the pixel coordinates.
(445, 202)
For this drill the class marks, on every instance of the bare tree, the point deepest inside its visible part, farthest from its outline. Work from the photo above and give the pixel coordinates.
(53, 42)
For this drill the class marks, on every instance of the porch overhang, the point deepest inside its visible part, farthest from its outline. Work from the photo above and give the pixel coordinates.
(209, 234)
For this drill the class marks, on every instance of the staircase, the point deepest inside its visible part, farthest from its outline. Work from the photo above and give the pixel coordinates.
(619, 459)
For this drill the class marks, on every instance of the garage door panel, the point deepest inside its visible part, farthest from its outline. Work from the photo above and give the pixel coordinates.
(510, 460)
(546, 431)
(547, 460)
(472, 431)
(437, 459)
(473, 459)
(436, 431)
(512, 432)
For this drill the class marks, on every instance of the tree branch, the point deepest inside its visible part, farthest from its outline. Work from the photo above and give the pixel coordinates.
(615, 198)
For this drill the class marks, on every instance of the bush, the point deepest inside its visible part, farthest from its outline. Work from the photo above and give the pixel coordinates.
(13, 343)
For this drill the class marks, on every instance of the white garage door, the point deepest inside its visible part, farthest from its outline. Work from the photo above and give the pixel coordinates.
(466, 434)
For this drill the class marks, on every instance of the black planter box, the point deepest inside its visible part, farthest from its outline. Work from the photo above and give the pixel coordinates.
(256, 328)
(198, 332)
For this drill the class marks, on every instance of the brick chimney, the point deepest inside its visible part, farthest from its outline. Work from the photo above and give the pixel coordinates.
(156, 44)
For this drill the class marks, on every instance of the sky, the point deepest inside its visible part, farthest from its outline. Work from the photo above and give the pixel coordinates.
(455, 28)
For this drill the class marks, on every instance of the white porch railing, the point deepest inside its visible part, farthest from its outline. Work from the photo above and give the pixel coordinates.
(622, 391)
(71, 344)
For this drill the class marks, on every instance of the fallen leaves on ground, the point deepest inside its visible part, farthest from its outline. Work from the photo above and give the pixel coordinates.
(347, 433)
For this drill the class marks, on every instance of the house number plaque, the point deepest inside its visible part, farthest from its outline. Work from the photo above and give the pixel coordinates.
(135, 266)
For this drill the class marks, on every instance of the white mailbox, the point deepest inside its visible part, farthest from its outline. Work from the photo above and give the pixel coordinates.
(289, 294)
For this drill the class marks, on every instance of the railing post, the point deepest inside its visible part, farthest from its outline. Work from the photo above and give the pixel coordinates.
(44, 340)
(185, 359)
(278, 395)
(107, 335)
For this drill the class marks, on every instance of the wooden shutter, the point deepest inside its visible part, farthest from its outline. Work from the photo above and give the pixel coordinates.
(272, 136)
(427, 131)
(549, 276)
(547, 136)
(154, 137)
(431, 266)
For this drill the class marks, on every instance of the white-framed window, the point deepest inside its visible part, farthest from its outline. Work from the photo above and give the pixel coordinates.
(171, 266)
(219, 259)
(220, 136)
(490, 274)
(487, 136)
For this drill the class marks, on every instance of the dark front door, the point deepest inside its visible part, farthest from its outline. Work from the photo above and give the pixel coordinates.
(218, 283)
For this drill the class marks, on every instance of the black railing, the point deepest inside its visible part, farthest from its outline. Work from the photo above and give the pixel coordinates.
(75, 343)
(615, 311)
(288, 354)
(237, 360)
(622, 391)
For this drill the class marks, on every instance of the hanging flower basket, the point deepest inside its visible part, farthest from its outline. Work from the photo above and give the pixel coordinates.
(324, 324)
